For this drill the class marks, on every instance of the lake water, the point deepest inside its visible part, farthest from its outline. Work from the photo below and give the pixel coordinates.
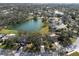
(30, 26)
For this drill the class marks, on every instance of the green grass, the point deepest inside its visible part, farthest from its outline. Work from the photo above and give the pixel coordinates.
(2, 46)
(73, 40)
(44, 30)
(7, 31)
(74, 54)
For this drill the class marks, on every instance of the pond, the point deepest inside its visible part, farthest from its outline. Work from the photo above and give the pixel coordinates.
(30, 26)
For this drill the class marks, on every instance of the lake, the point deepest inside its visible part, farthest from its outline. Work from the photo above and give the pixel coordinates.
(30, 26)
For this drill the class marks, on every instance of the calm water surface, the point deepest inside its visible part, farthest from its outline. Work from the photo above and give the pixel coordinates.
(30, 26)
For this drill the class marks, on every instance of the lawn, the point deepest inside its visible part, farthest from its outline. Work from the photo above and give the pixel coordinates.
(44, 30)
(2, 46)
(7, 31)
(74, 54)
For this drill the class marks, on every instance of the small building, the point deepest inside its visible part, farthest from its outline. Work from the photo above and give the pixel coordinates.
(8, 36)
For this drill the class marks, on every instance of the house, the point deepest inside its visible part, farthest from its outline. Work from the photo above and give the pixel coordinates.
(57, 45)
(56, 24)
(2, 35)
(11, 35)
(42, 49)
(8, 36)
(58, 12)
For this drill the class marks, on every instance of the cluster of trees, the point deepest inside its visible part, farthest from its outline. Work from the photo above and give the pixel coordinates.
(70, 19)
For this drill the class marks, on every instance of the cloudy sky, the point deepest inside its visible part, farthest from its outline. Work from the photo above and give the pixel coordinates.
(39, 1)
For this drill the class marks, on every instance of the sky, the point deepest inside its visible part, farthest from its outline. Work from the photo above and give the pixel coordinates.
(39, 1)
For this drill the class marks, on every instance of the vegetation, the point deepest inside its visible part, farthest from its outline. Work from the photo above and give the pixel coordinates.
(44, 30)
(10, 16)
(7, 31)
(74, 54)
(35, 18)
